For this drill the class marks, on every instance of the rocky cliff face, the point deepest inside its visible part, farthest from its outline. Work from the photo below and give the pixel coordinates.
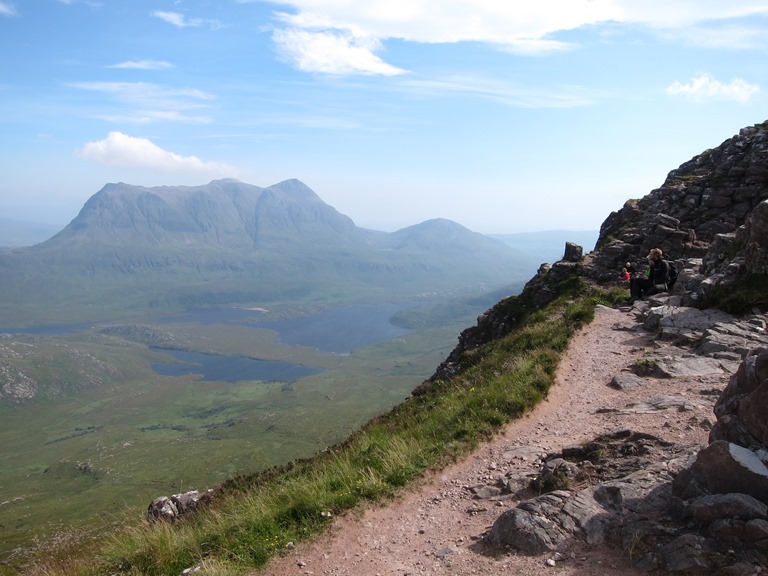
(710, 216)
(709, 195)
(708, 512)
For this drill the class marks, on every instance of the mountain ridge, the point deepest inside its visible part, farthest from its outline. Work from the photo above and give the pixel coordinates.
(233, 243)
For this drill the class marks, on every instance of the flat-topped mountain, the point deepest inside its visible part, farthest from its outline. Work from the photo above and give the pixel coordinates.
(228, 242)
(223, 214)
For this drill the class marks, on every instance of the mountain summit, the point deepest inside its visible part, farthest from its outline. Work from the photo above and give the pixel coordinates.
(232, 243)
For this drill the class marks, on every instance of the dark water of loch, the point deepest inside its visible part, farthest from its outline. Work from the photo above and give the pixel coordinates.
(334, 331)
(230, 369)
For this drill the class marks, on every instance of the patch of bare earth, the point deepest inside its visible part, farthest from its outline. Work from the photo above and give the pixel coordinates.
(436, 526)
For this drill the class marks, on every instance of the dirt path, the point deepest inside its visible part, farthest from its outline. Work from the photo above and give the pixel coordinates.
(435, 526)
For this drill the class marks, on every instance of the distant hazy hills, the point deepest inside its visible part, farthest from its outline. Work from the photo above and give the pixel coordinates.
(15, 233)
(231, 243)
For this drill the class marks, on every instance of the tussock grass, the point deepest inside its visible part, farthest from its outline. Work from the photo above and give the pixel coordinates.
(256, 517)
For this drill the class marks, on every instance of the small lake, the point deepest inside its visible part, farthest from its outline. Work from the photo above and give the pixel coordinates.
(341, 330)
(334, 331)
(230, 369)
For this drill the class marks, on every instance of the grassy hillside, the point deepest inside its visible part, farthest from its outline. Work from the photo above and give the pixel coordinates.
(253, 517)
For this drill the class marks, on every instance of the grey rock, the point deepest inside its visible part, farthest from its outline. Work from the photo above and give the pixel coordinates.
(683, 318)
(485, 492)
(707, 509)
(727, 530)
(526, 531)
(573, 252)
(756, 530)
(660, 403)
(174, 507)
(722, 468)
(626, 381)
(686, 367)
(685, 554)
(741, 408)
(755, 239)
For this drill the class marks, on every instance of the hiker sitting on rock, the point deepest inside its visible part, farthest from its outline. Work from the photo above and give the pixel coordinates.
(625, 275)
(655, 279)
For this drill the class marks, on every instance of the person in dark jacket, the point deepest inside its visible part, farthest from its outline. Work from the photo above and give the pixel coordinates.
(655, 278)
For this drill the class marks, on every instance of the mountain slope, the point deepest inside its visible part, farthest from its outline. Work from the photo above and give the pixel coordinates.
(233, 243)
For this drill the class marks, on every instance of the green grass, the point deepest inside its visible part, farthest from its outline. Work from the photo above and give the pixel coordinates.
(255, 516)
(86, 455)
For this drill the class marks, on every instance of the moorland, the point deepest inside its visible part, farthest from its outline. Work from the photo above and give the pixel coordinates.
(170, 339)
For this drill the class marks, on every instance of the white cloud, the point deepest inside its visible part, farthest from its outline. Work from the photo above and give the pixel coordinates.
(705, 87)
(7, 9)
(181, 21)
(332, 52)
(143, 65)
(119, 149)
(342, 36)
(177, 19)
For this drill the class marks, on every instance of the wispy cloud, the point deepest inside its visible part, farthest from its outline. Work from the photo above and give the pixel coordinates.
(119, 149)
(729, 36)
(506, 93)
(143, 65)
(151, 102)
(705, 87)
(181, 21)
(7, 9)
(329, 36)
(91, 3)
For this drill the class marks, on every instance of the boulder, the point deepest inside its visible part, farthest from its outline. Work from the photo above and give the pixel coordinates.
(742, 408)
(722, 468)
(174, 507)
(707, 509)
(755, 240)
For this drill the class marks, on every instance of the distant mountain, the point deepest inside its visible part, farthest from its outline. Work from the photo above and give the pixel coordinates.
(231, 243)
(15, 233)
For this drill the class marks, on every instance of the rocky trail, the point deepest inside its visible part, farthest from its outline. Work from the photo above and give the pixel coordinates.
(438, 525)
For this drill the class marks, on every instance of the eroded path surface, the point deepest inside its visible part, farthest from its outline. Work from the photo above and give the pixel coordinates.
(435, 527)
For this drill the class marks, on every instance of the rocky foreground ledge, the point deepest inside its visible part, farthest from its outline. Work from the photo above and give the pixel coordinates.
(668, 507)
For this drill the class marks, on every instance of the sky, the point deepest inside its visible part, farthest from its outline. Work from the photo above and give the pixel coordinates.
(502, 115)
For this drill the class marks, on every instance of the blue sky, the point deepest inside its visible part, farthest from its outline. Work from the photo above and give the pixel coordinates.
(505, 116)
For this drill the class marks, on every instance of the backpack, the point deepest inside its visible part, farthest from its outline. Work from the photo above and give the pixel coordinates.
(672, 278)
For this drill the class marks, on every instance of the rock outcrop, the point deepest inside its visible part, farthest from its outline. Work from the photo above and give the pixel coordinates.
(680, 509)
(706, 199)
(666, 507)
(176, 506)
